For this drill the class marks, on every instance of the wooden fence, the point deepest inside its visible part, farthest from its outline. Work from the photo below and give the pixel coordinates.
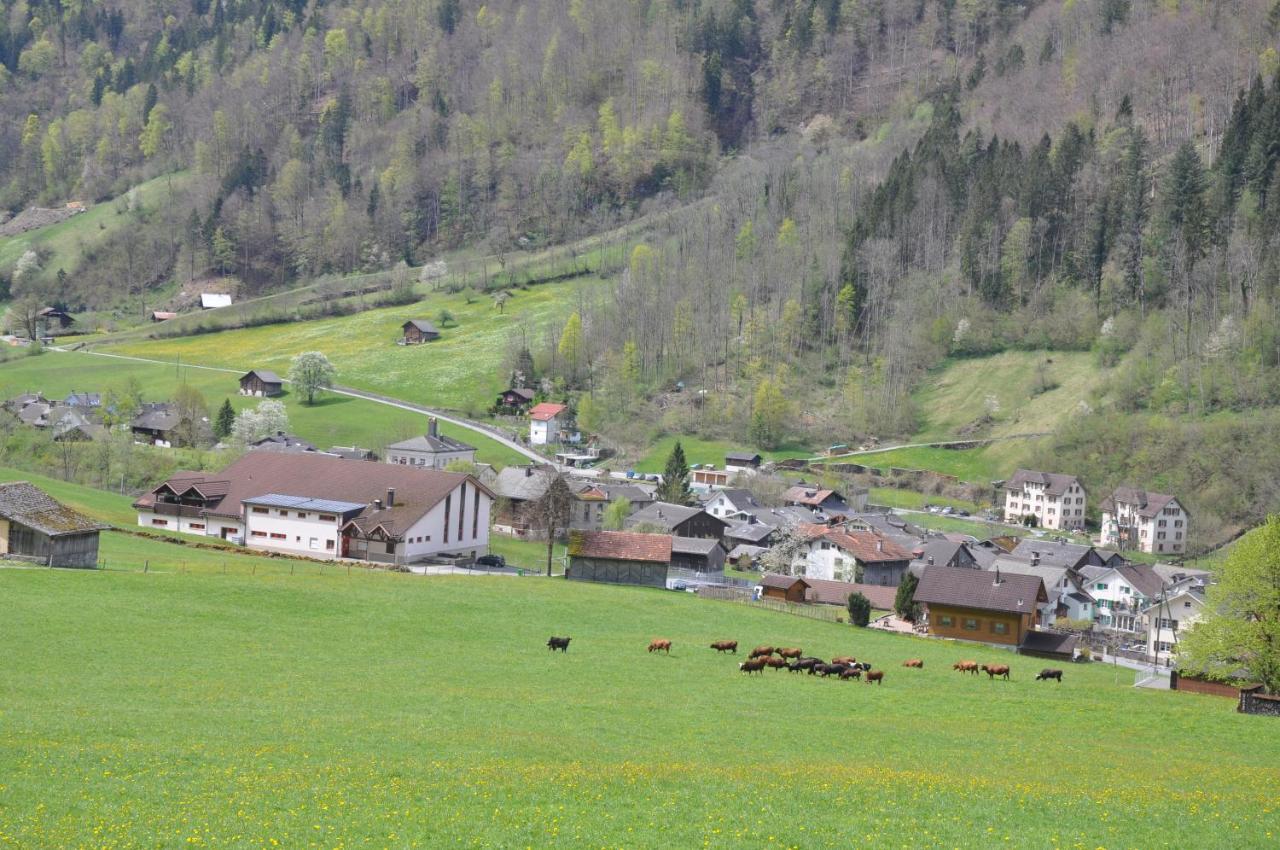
(743, 596)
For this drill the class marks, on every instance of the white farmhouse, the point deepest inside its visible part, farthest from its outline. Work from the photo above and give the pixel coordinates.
(432, 450)
(1054, 500)
(327, 507)
(545, 423)
(1146, 521)
(1121, 594)
(1168, 619)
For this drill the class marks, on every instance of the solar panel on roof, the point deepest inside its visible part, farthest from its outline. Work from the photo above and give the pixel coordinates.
(276, 500)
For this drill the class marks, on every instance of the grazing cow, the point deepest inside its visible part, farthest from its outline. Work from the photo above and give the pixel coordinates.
(865, 665)
(825, 670)
(755, 665)
(993, 670)
(660, 645)
(761, 651)
(850, 673)
(775, 662)
(807, 664)
(876, 676)
(791, 652)
(726, 646)
(914, 662)
(966, 667)
(794, 667)
(1047, 674)
(847, 660)
(560, 643)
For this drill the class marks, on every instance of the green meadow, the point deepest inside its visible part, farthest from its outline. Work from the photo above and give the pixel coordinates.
(333, 420)
(381, 710)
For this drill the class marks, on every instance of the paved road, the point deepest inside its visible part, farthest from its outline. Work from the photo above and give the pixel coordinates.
(491, 433)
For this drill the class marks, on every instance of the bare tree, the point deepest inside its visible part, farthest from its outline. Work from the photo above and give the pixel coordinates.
(552, 511)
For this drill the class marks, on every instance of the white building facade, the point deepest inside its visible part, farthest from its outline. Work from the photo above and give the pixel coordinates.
(1148, 522)
(1053, 500)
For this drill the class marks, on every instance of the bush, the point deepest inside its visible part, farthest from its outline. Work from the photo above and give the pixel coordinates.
(859, 610)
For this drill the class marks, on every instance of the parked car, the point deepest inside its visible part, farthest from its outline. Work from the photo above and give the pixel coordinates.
(961, 512)
(948, 510)
(491, 561)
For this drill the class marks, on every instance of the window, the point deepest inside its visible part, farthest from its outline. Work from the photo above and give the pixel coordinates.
(328, 545)
(158, 521)
(327, 518)
(197, 526)
(1125, 590)
(391, 547)
(282, 512)
(1160, 536)
(259, 533)
(277, 536)
(1161, 523)
(314, 543)
(1186, 604)
(260, 510)
(998, 628)
(970, 624)
(1099, 586)
(946, 622)
(302, 515)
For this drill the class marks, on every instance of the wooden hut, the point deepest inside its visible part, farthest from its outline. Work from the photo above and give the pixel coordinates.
(788, 588)
(36, 528)
(418, 331)
(261, 382)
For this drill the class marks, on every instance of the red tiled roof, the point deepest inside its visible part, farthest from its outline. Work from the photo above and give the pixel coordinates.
(620, 546)
(868, 547)
(546, 411)
(810, 496)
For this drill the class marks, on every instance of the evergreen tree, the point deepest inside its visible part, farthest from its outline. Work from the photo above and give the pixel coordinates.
(1183, 201)
(226, 419)
(859, 610)
(904, 604)
(675, 478)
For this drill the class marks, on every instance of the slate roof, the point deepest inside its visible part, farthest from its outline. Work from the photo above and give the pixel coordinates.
(738, 498)
(746, 549)
(942, 551)
(72, 419)
(83, 400)
(546, 411)
(977, 589)
(424, 325)
(694, 545)
(432, 443)
(1055, 484)
(1142, 578)
(28, 505)
(1050, 574)
(620, 546)
(282, 442)
(1148, 504)
(523, 392)
(159, 417)
(1050, 643)
(667, 515)
(750, 532)
(264, 375)
(739, 458)
(523, 483)
(1060, 552)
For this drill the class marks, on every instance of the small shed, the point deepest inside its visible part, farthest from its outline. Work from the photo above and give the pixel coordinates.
(788, 588)
(742, 460)
(261, 382)
(34, 527)
(619, 557)
(54, 318)
(418, 331)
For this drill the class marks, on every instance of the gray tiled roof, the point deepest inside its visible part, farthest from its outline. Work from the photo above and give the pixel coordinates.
(28, 505)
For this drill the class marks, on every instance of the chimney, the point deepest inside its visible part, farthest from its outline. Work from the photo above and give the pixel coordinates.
(528, 472)
(433, 427)
(931, 560)
(1035, 559)
(391, 497)
(880, 547)
(377, 504)
(998, 579)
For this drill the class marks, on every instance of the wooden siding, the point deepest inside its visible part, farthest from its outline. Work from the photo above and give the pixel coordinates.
(1016, 625)
(255, 386)
(68, 550)
(608, 571)
(794, 593)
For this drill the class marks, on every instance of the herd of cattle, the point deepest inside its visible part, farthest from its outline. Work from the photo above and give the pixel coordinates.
(844, 667)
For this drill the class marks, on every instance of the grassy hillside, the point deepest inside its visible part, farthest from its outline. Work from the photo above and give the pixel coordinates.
(378, 709)
(99, 504)
(333, 420)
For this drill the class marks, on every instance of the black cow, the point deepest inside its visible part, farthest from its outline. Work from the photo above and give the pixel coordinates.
(1047, 674)
(825, 670)
(560, 643)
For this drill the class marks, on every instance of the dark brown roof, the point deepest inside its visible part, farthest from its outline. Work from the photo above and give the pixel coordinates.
(1055, 484)
(783, 582)
(978, 589)
(620, 546)
(837, 593)
(867, 546)
(1148, 504)
(264, 375)
(28, 505)
(1050, 643)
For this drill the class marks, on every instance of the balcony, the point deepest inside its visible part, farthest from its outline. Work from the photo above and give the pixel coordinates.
(172, 509)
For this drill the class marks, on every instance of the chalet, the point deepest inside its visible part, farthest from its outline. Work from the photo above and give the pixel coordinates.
(1047, 499)
(978, 605)
(940, 552)
(417, 331)
(214, 300)
(619, 557)
(545, 423)
(678, 520)
(785, 588)
(516, 398)
(156, 424)
(733, 504)
(327, 507)
(34, 527)
(837, 554)
(698, 553)
(70, 424)
(51, 319)
(1146, 521)
(742, 462)
(1167, 619)
(261, 382)
(518, 488)
(432, 450)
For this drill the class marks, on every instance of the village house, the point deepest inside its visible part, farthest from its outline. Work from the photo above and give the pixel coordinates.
(432, 450)
(70, 424)
(619, 557)
(516, 398)
(746, 462)
(733, 504)
(325, 507)
(824, 501)
(941, 552)
(976, 605)
(50, 320)
(836, 554)
(155, 424)
(1121, 593)
(546, 420)
(1047, 499)
(417, 331)
(1146, 521)
(261, 382)
(702, 554)
(591, 499)
(1168, 619)
(85, 400)
(1063, 553)
(678, 520)
(518, 489)
(1066, 596)
(749, 532)
(34, 527)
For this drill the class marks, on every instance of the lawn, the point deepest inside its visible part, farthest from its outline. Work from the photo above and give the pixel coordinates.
(910, 500)
(971, 465)
(333, 420)
(327, 710)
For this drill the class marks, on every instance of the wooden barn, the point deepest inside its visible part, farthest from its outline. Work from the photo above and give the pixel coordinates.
(261, 382)
(787, 588)
(34, 527)
(418, 331)
(619, 557)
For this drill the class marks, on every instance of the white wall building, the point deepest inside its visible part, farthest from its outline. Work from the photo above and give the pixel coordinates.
(545, 423)
(1168, 621)
(432, 450)
(1055, 501)
(1120, 594)
(1146, 521)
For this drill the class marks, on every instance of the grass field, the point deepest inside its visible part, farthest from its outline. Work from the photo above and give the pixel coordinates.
(397, 711)
(333, 420)
(975, 466)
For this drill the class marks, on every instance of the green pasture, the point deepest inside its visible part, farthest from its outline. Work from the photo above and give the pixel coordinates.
(975, 466)
(383, 710)
(333, 420)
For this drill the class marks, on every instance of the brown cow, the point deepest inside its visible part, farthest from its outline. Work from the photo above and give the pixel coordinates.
(914, 662)
(966, 667)
(726, 646)
(776, 662)
(761, 651)
(848, 660)
(660, 644)
(850, 673)
(791, 652)
(876, 676)
(993, 670)
(755, 665)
